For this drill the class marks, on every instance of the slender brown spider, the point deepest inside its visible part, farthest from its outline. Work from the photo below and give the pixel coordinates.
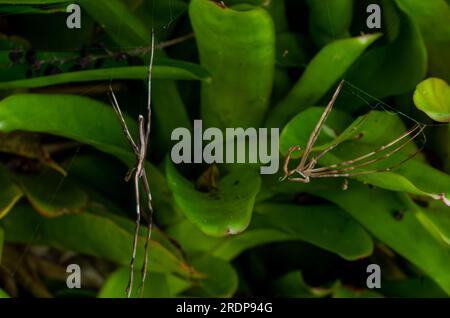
(307, 169)
(138, 173)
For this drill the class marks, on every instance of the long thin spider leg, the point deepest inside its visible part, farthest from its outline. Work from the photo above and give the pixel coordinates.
(142, 150)
(377, 159)
(137, 175)
(286, 171)
(136, 234)
(313, 137)
(149, 229)
(333, 146)
(302, 180)
(140, 172)
(149, 98)
(123, 123)
(349, 162)
(348, 175)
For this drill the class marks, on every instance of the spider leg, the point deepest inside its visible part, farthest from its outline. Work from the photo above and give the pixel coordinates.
(286, 171)
(149, 229)
(302, 180)
(337, 174)
(123, 123)
(316, 131)
(418, 127)
(149, 100)
(330, 148)
(136, 234)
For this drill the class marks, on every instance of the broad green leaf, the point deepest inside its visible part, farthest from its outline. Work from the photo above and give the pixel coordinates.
(116, 284)
(375, 210)
(53, 195)
(94, 234)
(44, 113)
(437, 219)
(118, 21)
(394, 68)
(192, 239)
(329, 20)
(73, 120)
(290, 52)
(101, 173)
(432, 17)
(422, 287)
(238, 95)
(160, 15)
(432, 96)
(169, 113)
(277, 10)
(220, 278)
(3, 294)
(287, 222)
(346, 292)
(321, 74)
(297, 131)
(10, 193)
(283, 222)
(293, 285)
(166, 69)
(226, 211)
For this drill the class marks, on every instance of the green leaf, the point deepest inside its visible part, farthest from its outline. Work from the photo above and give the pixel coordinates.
(374, 209)
(321, 74)
(74, 120)
(94, 233)
(346, 292)
(10, 193)
(394, 68)
(116, 284)
(3, 294)
(167, 69)
(287, 222)
(437, 219)
(297, 130)
(282, 222)
(53, 195)
(227, 211)
(422, 287)
(220, 278)
(169, 113)
(432, 96)
(224, 36)
(192, 239)
(329, 20)
(27, 112)
(432, 17)
(118, 22)
(160, 15)
(290, 52)
(292, 284)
